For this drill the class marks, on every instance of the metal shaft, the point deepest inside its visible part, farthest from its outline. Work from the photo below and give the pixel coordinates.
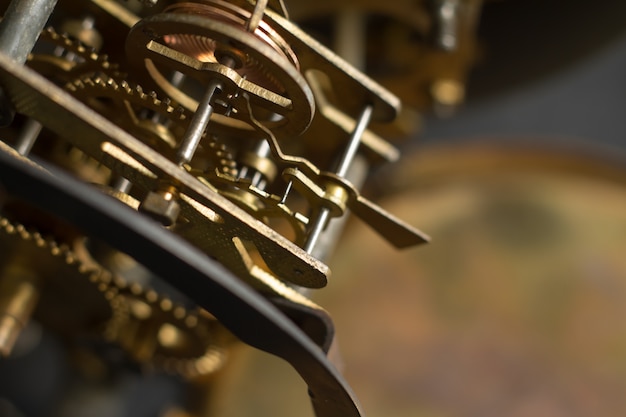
(197, 126)
(28, 136)
(200, 119)
(18, 297)
(343, 166)
(21, 25)
(355, 140)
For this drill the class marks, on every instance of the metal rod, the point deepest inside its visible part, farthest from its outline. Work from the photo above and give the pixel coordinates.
(317, 228)
(355, 140)
(288, 188)
(28, 136)
(198, 125)
(201, 118)
(122, 185)
(328, 239)
(343, 166)
(21, 25)
(350, 36)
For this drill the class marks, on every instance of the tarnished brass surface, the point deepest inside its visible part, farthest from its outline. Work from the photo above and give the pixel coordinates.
(35, 96)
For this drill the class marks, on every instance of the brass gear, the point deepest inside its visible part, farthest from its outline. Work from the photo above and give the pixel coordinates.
(64, 293)
(76, 59)
(124, 103)
(157, 122)
(160, 333)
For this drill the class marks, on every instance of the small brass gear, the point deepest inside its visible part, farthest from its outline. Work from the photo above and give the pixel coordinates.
(160, 333)
(150, 119)
(68, 59)
(157, 122)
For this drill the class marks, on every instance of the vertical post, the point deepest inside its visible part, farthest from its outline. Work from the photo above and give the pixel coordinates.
(350, 29)
(201, 118)
(19, 30)
(345, 162)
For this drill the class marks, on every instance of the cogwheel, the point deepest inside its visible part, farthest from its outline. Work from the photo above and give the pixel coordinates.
(69, 59)
(63, 293)
(157, 332)
(156, 122)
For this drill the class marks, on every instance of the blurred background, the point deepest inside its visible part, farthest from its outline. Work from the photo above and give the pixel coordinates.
(516, 306)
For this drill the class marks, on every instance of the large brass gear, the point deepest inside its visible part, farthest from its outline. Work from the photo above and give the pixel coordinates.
(157, 332)
(62, 292)
(192, 37)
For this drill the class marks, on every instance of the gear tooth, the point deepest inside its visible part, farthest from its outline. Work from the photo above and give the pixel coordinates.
(119, 282)
(136, 289)
(179, 312)
(24, 234)
(191, 321)
(40, 241)
(103, 276)
(166, 304)
(152, 296)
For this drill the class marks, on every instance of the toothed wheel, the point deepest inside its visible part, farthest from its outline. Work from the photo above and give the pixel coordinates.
(157, 332)
(157, 122)
(68, 59)
(64, 293)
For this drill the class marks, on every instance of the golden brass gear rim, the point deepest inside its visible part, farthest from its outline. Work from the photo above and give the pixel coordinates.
(132, 331)
(146, 54)
(57, 272)
(64, 70)
(164, 138)
(123, 97)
